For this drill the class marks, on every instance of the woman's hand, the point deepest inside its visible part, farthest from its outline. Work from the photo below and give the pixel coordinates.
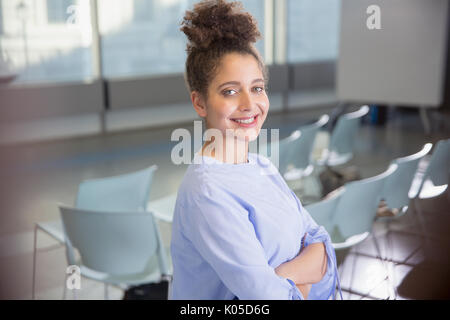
(308, 267)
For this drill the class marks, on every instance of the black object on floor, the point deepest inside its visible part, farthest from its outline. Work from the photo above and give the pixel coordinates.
(149, 291)
(427, 280)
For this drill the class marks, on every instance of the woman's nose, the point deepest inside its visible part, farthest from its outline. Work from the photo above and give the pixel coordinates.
(246, 103)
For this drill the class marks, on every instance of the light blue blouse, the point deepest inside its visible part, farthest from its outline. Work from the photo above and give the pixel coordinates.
(233, 225)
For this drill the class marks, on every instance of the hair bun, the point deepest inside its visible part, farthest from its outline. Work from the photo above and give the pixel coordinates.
(218, 21)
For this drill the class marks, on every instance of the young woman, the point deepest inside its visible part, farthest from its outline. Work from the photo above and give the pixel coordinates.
(238, 232)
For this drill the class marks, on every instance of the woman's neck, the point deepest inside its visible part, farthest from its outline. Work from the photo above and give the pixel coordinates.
(234, 151)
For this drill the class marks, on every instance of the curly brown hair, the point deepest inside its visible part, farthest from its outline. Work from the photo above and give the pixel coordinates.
(215, 28)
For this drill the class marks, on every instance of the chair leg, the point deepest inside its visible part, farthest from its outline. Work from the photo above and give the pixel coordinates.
(34, 263)
(421, 218)
(340, 273)
(377, 247)
(65, 287)
(353, 272)
(385, 265)
(316, 186)
(426, 243)
(388, 248)
(106, 292)
(389, 255)
(169, 289)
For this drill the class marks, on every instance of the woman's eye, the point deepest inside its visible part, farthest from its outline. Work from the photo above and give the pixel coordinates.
(259, 89)
(229, 92)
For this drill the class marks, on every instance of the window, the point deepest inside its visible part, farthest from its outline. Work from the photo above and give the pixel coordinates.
(1, 19)
(57, 10)
(39, 45)
(143, 10)
(143, 37)
(256, 9)
(138, 37)
(312, 30)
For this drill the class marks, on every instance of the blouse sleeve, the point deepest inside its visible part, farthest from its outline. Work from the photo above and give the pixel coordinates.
(220, 229)
(325, 288)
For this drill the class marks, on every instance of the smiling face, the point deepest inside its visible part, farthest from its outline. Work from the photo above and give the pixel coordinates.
(237, 99)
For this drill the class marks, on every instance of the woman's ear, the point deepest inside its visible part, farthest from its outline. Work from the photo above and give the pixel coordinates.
(199, 103)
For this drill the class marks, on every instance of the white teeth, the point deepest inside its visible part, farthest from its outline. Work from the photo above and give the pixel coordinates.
(246, 121)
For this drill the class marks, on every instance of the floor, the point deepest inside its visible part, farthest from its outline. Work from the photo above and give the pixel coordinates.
(415, 264)
(35, 178)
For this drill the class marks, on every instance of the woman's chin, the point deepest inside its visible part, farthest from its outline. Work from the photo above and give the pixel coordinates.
(247, 135)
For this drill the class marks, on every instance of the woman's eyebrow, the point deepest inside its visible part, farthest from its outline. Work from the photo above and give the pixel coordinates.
(238, 83)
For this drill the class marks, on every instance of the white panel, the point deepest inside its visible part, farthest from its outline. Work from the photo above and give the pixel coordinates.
(401, 63)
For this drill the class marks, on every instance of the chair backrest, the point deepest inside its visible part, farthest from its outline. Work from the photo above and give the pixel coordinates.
(344, 134)
(357, 207)
(116, 243)
(127, 192)
(302, 147)
(437, 173)
(439, 166)
(286, 147)
(322, 212)
(397, 186)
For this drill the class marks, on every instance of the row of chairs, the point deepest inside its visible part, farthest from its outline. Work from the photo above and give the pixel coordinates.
(296, 151)
(349, 212)
(123, 200)
(298, 163)
(117, 239)
(131, 220)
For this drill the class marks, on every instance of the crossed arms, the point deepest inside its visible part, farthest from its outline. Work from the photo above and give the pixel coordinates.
(308, 267)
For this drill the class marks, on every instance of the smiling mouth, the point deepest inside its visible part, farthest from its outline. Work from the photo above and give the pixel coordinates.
(246, 121)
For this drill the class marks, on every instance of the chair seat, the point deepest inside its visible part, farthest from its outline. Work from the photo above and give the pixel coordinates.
(429, 190)
(401, 213)
(339, 243)
(333, 158)
(295, 174)
(134, 279)
(129, 280)
(53, 228)
(163, 208)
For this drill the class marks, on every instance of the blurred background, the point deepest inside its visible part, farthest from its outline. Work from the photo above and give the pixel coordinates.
(91, 89)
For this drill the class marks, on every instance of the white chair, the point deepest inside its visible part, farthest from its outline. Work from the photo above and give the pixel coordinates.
(163, 208)
(286, 146)
(295, 156)
(118, 248)
(356, 210)
(342, 139)
(300, 162)
(436, 178)
(349, 213)
(433, 193)
(322, 211)
(397, 188)
(127, 192)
